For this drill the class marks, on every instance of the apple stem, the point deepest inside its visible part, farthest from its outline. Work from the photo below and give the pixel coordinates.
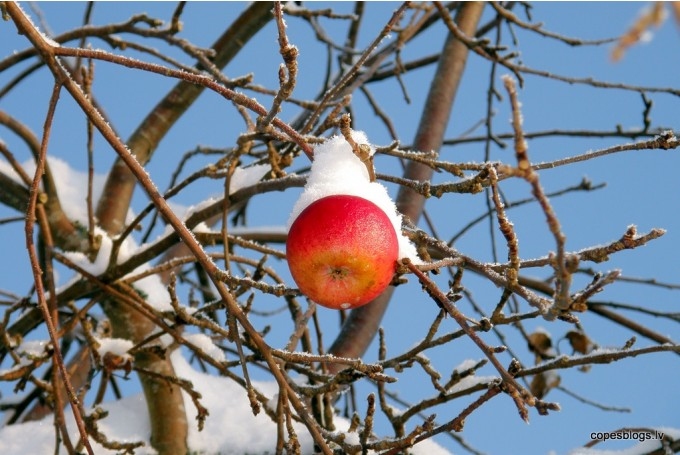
(362, 151)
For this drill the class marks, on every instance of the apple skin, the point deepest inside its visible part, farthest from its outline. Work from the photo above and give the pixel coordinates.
(342, 251)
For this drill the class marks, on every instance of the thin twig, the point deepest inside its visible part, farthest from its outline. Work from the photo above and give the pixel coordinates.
(520, 396)
(506, 227)
(198, 79)
(524, 169)
(538, 28)
(37, 273)
(352, 72)
(287, 71)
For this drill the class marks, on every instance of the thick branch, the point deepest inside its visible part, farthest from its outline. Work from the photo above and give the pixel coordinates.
(65, 234)
(117, 193)
(13, 194)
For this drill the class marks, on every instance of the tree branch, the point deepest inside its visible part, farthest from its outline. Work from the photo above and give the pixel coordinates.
(362, 324)
(120, 184)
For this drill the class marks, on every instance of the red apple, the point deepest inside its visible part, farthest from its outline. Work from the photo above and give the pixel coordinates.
(342, 251)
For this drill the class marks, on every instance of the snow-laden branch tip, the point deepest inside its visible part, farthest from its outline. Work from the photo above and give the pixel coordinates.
(118, 347)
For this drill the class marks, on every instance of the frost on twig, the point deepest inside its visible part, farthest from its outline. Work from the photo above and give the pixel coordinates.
(524, 170)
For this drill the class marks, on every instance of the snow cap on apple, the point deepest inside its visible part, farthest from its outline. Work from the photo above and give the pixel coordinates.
(344, 231)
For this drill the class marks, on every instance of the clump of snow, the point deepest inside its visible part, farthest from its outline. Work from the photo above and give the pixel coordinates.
(203, 228)
(471, 381)
(33, 348)
(602, 351)
(71, 186)
(27, 351)
(205, 344)
(466, 365)
(178, 209)
(337, 170)
(116, 346)
(154, 291)
(166, 340)
(247, 176)
(151, 287)
(101, 262)
(8, 170)
(198, 207)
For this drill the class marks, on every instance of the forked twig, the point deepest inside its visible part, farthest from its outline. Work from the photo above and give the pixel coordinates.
(561, 263)
(512, 272)
(519, 394)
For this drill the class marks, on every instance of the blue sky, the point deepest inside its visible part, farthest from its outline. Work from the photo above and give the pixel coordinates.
(642, 187)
